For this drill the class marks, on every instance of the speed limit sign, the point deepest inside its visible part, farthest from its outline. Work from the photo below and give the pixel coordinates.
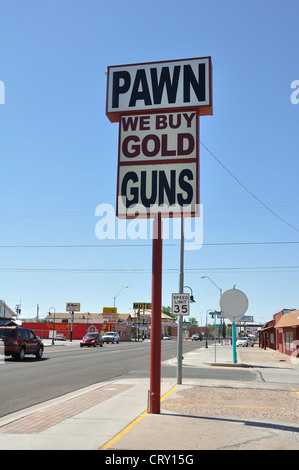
(180, 304)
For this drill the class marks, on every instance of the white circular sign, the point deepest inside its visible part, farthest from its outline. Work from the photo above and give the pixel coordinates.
(233, 304)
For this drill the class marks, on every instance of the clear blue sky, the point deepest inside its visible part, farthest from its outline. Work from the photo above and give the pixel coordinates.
(58, 152)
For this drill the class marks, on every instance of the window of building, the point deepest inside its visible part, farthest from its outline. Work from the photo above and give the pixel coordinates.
(289, 340)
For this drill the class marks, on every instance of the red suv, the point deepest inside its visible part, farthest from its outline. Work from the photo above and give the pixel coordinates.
(18, 341)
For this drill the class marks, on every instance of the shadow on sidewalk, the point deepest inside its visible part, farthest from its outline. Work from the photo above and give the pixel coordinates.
(259, 424)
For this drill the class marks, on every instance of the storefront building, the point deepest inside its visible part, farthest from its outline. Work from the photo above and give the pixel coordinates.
(281, 333)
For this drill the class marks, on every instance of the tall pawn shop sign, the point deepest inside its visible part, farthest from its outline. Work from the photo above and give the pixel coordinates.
(158, 106)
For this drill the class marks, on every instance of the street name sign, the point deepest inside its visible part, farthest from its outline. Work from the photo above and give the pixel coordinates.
(180, 304)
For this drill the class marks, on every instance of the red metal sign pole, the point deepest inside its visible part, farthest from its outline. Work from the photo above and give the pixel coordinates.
(155, 363)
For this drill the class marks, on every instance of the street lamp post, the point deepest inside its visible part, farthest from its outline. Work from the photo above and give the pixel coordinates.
(220, 291)
(203, 277)
(53, 324)
(87, 318)
(180, 317)
(123, 287)
(192, 301)
(209, 310)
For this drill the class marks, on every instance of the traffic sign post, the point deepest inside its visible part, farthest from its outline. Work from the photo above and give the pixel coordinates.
(233, 304)
(180, 304)
(234, 340)
(72, 307)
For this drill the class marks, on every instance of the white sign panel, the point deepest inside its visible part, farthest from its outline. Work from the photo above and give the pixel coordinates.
(158, 168)
(180, 304)
(75, 307)
(233, 304)
(165, 136)
(147, 190)
(158, 86)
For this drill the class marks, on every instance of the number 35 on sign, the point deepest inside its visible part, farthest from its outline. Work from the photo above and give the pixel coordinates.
(180, 304)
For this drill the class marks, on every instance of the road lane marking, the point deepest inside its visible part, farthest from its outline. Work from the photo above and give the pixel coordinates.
(90, 349)
(132, 424)
(296, 391)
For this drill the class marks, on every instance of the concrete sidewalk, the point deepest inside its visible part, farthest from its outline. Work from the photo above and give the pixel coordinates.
(198, 414)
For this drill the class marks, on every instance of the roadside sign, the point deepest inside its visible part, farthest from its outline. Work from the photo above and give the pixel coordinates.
(246, 318)
(159, 86)
(158, 165)
(158, 105)
(158, 136)
(72, 307)
(142, 306)
(233, 304)
(180, 304)
(110, 317)
(109, 309)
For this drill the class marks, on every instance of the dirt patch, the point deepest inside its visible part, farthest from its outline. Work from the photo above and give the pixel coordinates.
(274, 405)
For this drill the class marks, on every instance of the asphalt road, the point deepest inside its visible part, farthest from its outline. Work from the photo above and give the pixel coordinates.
(64, 369)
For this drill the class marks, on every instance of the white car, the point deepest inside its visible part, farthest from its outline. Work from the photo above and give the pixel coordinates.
(60, 336)
(242, 342)
(111, 337)
(196, 337)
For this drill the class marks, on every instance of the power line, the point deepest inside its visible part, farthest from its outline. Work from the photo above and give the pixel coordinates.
(247, 190)
(148, 270)
(141, 245)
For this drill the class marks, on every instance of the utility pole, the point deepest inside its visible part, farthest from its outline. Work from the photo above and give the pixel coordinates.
(180, 317)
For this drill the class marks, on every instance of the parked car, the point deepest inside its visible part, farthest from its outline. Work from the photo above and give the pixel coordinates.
(242, 342)
(111, 337)
(196, 337)
(91, 339)
(19, 341)
(60, 337)
(166, 337)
